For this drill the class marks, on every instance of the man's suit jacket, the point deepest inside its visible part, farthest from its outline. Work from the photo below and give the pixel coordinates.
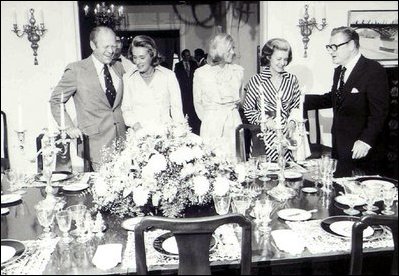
(362, 113)
(186, 88)
(96, 118)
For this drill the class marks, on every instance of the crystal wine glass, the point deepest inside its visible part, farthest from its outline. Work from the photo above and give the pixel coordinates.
(241, 204)
(388, 195)
(45, 216)
(352, 191)
(64, 220)
(222, 204)
(78, 212)
(264, 167)
(15, 179)
(370, 193)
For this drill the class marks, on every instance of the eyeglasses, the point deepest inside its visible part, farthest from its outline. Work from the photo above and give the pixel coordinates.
(334, 47)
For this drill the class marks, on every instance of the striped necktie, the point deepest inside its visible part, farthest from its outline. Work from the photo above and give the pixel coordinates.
(341, 86)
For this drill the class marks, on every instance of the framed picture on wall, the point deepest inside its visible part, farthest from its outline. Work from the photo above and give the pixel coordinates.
(378, 33)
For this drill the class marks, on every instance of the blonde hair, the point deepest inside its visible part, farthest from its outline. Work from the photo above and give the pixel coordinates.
(219, 46)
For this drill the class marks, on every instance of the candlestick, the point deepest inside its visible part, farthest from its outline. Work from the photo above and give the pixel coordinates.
(262, 105)
(62, 112)
(301, 101)
(278, 110)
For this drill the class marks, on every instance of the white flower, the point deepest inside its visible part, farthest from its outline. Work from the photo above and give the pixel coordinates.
(181, 155)
(155, 199)
(100, 187)
(221, 185)
(197, 152)
(241, 172)
(201, 185)
(157, 162)
(194, 138)
(147, 172)
(187, 170)
(140, 196)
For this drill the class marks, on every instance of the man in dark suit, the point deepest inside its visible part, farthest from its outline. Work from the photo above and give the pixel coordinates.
(360, 101)
(200, 57)
(96, 87)
(184, 71)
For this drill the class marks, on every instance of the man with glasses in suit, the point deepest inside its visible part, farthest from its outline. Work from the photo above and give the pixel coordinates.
(360, 100)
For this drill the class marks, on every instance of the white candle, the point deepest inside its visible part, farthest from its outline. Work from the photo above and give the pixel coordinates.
(302, 100)
(62, 112)
(20, 124)
(323, 10)
(262, 104)
(278, 110)
(41, 17)
(14, 17)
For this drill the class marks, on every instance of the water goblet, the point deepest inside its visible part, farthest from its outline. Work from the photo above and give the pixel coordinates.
(15, 180)
(64, 220)
(253, 167)
(45, 216)
(352, 191)
(241, 204)
(388, 195)
(263, 167)
(262, 212)
(370, 193)
(222, 204)
(78, 212)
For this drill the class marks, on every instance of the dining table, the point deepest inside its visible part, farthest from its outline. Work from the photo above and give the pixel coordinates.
(313, 243)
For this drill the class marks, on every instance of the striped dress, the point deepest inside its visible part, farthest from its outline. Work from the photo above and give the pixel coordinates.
(290, 95)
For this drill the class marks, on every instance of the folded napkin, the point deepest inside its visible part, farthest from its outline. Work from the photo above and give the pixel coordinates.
(288, 241)
(108, 256)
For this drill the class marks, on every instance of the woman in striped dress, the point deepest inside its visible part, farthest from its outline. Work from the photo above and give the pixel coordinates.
(272, 82)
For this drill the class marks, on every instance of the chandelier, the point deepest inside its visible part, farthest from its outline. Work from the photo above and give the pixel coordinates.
(111, 16)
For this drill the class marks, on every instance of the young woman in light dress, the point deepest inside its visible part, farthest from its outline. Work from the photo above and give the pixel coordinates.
(217, 93)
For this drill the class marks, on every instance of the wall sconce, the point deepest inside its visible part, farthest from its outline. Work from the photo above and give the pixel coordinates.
(33, 31)
(110, 16)
(307, 26)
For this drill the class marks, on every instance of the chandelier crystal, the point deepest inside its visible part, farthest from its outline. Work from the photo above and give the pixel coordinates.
(111, 16)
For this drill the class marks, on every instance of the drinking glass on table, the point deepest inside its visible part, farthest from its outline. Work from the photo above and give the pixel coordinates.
(45, 216)
(64, 220)
(262, 211)
(263, 167)
(15, 179)
(388, 195)
(352, 191)
(370, 193)
(78, 213)
(240, 204)
(252, 168)
(222, 204)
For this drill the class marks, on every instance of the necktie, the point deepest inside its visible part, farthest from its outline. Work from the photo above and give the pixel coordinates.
(341, 86)
(110, 91)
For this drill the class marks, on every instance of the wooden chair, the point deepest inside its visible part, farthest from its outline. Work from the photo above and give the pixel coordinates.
(317, 149)
(357, 241)
(193, 236)
(63, 163)
(5, 160)
(244, 134)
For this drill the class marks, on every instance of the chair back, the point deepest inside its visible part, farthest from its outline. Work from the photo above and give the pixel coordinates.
(63, 162)
(317, 149)
(193, 236)
(5, 160)
(244, 145)
(356, 262)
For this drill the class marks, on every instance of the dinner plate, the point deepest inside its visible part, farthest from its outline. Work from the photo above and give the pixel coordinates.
(343, 228)
(7, 252)
(18, 246)
(4, 211)
(309, 190)
(345, 199)
(292, 175)
(76, 187)
(377, 180)
(166, 244)
(130, 223)
(56, 177)
(10, 198)
(294, 214)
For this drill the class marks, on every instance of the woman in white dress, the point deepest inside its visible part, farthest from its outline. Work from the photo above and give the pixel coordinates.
(217, 93)
(152, 95)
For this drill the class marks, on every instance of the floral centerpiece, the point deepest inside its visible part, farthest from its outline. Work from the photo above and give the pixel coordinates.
(170, 169)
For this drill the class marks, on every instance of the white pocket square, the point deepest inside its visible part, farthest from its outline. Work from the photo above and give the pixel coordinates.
(354, 90)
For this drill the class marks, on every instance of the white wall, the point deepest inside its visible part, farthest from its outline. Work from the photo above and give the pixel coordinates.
(280, 19)
(29, 84)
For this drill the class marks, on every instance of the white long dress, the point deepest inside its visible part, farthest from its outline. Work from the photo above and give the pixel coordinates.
(216, 96)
